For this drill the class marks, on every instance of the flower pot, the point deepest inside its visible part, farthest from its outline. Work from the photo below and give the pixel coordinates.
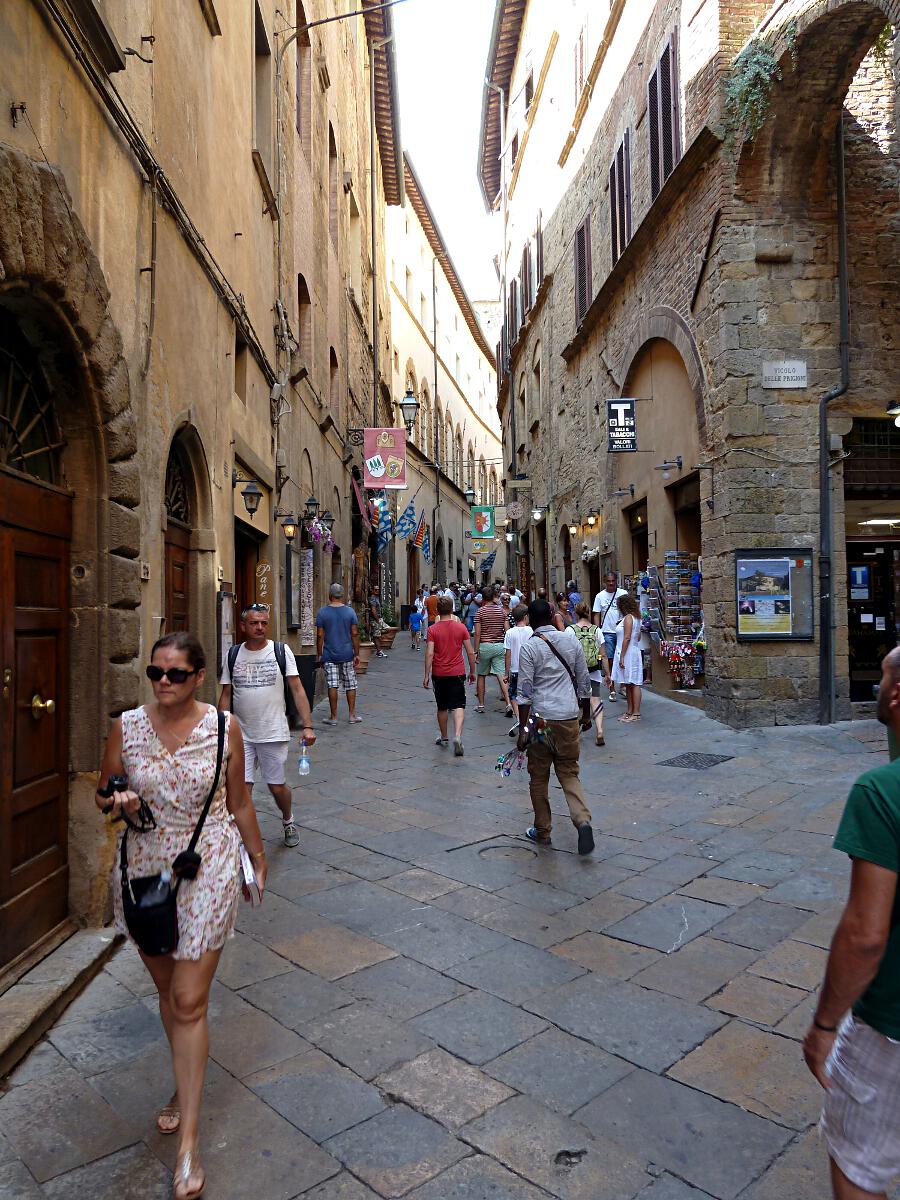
(366, 650)
(387, 636)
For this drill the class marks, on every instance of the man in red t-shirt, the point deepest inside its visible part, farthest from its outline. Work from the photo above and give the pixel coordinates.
(445, 670)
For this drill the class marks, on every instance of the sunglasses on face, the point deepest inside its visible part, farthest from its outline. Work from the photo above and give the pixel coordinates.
(174, 674)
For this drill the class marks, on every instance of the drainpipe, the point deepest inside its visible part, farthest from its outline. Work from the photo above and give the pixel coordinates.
(826, 588)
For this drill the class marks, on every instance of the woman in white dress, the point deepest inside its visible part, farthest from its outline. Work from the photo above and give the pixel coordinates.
(628, 662)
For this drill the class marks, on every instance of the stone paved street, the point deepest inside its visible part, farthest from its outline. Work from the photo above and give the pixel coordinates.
(428, 1006)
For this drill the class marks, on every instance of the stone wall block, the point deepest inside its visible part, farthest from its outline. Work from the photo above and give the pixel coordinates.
(31, 218)
(124, 531)
(120, 434)
(122, 687)
(115, 393)
(124, 629)
(11, 252)
(105, 351)
(124, 582)
(125, 482)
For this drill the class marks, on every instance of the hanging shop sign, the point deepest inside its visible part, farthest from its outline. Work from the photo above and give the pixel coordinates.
(263, 583)
(515, 509)
(481, 545)
(621, 425)
(384, 458)
(790, 373)
(482, 521)
(774, 595)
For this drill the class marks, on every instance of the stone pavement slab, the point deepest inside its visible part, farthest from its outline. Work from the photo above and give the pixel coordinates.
(515, 973)
(561, 1071)
(669, 924)
(366, 1039)
(712, 1145)
(477, 1178)
(696, 970)
(296, 997)
(760, 1000)
(334, 951)
(17, 1182)
(130, 1174)
(397, 1150)
(760, 925)
(441, 1086)
(606, 955)
(478, 1027)
(556, 1153)
(402, 987)
(316, 1094)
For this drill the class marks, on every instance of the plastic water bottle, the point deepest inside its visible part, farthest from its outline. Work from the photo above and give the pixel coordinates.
(303, 760)
(158, 893)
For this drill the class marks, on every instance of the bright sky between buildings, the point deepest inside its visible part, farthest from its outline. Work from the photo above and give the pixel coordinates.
(442, 50)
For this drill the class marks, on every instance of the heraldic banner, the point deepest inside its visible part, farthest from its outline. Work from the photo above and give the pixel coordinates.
(384, 458)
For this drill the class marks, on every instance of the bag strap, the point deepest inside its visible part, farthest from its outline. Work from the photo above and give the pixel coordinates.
(220, 752)
(553, 650)
(233, 651)
(606, 610)
(280, 658)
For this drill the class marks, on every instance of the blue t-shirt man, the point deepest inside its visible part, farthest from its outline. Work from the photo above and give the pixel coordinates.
(337, 620)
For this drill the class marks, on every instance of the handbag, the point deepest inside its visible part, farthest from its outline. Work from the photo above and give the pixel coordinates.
(150, 904)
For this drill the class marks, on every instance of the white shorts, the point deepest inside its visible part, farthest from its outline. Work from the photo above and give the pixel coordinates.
(271, 757)
(861, 1116)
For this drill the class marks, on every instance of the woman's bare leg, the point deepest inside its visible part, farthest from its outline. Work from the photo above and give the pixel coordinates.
(160, 967)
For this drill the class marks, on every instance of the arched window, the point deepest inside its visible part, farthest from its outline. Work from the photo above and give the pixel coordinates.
(438, 432)
(449, 449)
(30, 440)
(304, 322)
(334, 383)
(459, 458)
(482, 482)
(304, 83)
(493, 485)
(470, 473)
(534, 399)
(425, 415)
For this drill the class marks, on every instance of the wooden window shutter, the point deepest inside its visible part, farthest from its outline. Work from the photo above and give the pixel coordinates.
(539, 252)
(675, 106)
(614, 211)
(627, 160)
(654, 133)
(579, 64)
(665, 112)
(664, 121)
(620, 197)
(582, 269)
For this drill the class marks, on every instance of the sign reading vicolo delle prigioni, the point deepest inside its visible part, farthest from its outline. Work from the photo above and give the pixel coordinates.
(621, 425)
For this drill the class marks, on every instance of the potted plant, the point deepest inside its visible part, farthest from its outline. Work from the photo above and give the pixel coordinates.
(366, 645)
(391, 628)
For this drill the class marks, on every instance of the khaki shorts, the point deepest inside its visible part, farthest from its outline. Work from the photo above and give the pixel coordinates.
(861, 1117)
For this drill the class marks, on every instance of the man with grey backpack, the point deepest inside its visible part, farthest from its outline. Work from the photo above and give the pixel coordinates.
(259, 678)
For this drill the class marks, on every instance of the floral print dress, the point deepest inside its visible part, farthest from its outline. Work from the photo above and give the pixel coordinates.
(175, 787)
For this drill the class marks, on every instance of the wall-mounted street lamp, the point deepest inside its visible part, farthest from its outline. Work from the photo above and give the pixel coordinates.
(625, 491)
(252, 493)
(592, 518)
(573, 530)
(536, 514)
(510, 537)
(328, 520)
(671, 463)
(289, 525)
(409, 406)
(469, 494)
(312, 508)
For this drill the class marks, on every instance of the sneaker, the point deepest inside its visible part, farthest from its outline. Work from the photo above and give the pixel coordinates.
(442, 742)
(329, 720)
(291, 836)
(532, 834)
(613, 697)
(380, 654)
(585, 838)
(458, 751)
(509, 711)
(354, 721)
(514, 732)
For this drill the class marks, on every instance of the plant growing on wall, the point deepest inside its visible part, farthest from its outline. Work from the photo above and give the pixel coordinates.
(882, 48)
(748, 89)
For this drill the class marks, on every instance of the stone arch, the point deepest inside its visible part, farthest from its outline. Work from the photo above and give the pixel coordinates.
(668, 325)
(819, 50)
(53, 286)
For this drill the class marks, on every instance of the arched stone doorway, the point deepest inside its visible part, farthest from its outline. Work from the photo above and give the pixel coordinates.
(69, 495)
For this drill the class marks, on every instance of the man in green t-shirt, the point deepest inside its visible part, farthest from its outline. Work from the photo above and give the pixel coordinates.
(855, 1054)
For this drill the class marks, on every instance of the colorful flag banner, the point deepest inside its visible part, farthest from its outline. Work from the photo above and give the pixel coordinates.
(426, 545)
(384, 458)
(420, 532)
(482, 521)
(385, 527)
(488, 562)
(407, 522)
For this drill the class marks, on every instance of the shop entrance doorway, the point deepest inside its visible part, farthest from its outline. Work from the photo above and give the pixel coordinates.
(640, 538)
(246, 556)
(685, 499)
(873, 603)
(412, 572)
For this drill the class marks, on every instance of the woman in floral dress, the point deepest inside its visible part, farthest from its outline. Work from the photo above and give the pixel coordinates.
(167, 751)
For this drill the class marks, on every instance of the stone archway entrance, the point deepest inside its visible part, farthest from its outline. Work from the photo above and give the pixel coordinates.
(70, 547)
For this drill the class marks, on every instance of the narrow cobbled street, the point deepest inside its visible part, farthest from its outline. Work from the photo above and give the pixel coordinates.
(428, 1006)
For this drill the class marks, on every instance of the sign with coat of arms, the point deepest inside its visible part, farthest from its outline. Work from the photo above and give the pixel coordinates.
(482, 521)
(384, 458)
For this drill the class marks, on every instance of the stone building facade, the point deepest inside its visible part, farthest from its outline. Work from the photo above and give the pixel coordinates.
(665, 246)
(455, 443)
(186, 312)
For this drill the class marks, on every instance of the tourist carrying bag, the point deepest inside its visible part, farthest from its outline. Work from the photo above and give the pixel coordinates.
(150, 904)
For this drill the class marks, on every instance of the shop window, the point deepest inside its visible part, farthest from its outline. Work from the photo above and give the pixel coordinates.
(685, 498)
(582, 269)
(873, 467)
(620, 198)
(664, 118)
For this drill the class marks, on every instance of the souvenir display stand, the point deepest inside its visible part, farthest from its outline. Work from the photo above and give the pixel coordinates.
(674, 612)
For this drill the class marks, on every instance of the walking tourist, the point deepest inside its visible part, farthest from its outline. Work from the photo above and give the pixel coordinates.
(431, 603)
(256, 676)
(163, 764)
(554, 684)
(470, 609)
(505, 604)
(376, 624)
(445, 670)
(562, 617)
(606, 616)
(512, 644)
(628, 664)
(337, 648)
(574, 597)
(490, 629)
(853, 1043)
(415, 626)
(591, 642)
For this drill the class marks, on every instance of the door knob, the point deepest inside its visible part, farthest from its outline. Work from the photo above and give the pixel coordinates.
(39, 707)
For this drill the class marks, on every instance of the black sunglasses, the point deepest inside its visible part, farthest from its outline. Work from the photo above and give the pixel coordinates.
(174, 674)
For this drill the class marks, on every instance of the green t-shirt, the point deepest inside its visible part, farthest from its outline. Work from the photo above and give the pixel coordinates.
(870, 830)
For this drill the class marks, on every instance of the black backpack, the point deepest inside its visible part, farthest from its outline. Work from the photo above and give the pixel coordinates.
(290, 707)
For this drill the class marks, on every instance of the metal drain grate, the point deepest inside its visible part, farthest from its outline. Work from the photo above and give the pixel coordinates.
(695, 761)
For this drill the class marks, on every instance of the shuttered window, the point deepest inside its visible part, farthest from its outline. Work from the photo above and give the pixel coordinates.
(539, 254)
(664, 118)
(526, 279)
(582, 269)
(513, 311)
(620, 198)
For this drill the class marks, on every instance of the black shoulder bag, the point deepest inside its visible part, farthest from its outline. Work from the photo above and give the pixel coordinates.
(150, 904)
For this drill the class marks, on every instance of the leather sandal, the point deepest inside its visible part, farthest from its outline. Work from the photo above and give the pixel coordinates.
(188, 1168)
(171, 1115)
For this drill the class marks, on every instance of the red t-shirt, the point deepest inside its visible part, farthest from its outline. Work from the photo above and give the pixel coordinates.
(448, 638)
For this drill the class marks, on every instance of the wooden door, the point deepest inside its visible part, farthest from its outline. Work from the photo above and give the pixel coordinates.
(178, 586)
(34, 712)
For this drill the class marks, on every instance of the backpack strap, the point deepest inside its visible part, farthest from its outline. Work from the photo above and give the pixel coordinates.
(553, 650)
(280, 658)
(233, 651)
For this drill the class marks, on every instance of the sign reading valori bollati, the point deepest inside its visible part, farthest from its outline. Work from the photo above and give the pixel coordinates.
(790, 373)
(384, 458)
(621, 425)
